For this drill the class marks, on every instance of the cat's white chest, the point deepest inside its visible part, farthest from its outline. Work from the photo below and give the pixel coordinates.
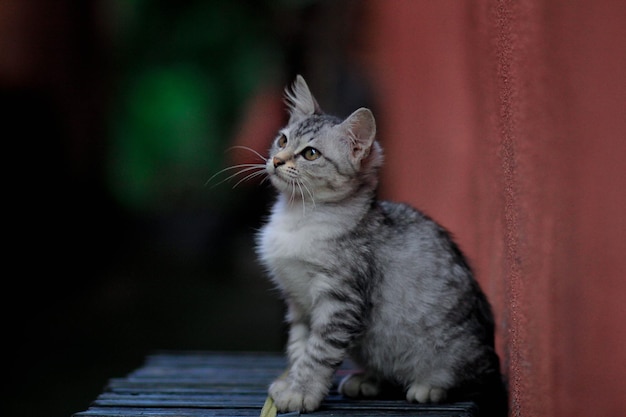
(284, 239)
(295, 252)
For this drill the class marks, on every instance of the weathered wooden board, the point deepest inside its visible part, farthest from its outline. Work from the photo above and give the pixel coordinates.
(195, 384)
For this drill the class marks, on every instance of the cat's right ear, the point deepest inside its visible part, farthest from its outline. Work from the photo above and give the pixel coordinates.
(360, 129)
(300, 101)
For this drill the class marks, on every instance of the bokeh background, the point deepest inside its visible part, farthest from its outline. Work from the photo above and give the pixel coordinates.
(115, 114)
(504, 120)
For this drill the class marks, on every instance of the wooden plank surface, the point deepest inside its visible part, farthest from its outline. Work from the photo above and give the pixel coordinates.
(198, 384)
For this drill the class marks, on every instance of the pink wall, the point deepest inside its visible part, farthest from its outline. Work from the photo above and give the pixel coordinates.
(506, 121)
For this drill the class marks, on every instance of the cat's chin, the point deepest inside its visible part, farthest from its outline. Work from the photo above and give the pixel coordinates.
(285, 187)
(279, 183)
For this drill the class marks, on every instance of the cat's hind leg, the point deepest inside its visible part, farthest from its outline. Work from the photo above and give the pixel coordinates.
(424, 393)
(359, 384)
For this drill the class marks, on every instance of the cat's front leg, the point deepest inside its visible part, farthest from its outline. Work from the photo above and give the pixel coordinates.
(307, 381)
(298, 334)
(302, 389)
(333, 327)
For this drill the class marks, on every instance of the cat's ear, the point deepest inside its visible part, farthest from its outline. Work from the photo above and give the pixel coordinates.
(360, 129)
(300, 100)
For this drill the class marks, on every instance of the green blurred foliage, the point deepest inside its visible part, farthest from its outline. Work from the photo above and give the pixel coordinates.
(184, 70)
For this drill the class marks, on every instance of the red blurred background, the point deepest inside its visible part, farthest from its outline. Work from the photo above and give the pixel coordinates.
(507, 121)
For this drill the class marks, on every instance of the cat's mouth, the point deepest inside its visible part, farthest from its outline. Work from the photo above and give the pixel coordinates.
(285, 183)
(282, 176)
(277, 178)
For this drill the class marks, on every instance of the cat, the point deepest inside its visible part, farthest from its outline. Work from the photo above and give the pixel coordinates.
(376, 281)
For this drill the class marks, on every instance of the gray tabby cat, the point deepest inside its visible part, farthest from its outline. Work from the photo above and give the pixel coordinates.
(378, 281)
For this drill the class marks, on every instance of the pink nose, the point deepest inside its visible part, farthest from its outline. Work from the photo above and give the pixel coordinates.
(277, 162)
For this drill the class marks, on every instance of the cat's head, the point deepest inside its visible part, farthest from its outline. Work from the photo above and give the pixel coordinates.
(321, 158)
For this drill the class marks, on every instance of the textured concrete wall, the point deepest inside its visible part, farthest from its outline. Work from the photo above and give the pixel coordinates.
(506, 121)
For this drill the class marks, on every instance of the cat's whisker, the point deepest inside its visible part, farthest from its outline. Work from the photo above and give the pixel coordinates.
(295, 190)
(264, 159)
(238, 173)
(249, 177)
(242, 169)
(292, 198)
(302, 195)
(230, 168)
(308, 191)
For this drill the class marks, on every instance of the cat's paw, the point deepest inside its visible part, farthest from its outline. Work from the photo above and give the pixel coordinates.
(288, 397)
(359, 385)
(423, 393)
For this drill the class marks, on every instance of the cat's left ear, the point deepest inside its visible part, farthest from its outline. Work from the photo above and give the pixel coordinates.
(360, 129)
(300, 100)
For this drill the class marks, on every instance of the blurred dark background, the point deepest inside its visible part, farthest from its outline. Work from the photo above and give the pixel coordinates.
(115, 113)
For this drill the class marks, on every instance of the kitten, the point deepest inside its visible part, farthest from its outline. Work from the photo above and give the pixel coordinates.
(375, 280)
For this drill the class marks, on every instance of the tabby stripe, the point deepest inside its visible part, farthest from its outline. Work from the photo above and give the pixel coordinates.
(336, 166)
(311, 125)
(312, 362)
(328, 356)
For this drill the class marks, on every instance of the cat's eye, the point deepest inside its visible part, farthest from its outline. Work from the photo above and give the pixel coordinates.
(282, 141)
(310, 154)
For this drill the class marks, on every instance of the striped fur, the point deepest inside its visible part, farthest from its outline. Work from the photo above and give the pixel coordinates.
(377, 281)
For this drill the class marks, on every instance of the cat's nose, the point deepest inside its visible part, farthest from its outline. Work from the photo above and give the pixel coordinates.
(277, 162)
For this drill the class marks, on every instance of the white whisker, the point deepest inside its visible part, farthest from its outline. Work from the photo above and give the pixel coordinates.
(302, 195)
(230, 169)
(292, 198)
(249, 177)
(308, 191)
(242, 169)
(264, 159)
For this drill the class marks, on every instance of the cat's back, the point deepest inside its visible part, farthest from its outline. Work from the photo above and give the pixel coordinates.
(406, 230)
(419, 255)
